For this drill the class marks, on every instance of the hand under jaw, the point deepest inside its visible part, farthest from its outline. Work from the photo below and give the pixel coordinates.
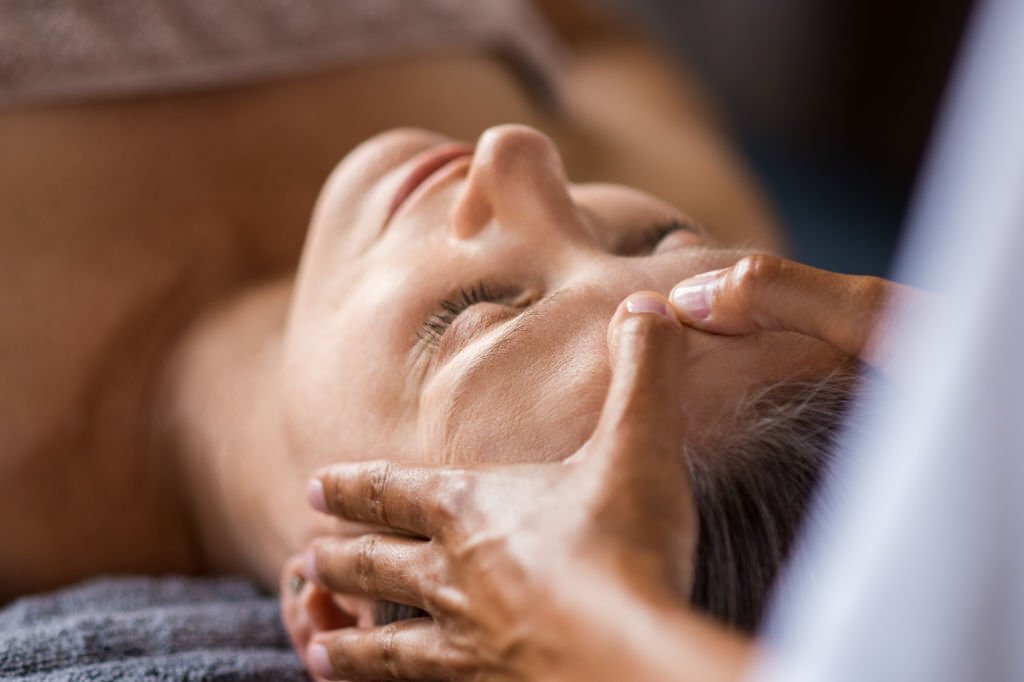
(451, 579)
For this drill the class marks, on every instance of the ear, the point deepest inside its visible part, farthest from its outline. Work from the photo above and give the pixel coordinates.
(307, 609)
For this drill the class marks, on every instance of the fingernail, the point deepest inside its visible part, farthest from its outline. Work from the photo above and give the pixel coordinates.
(315, 495)
(319, 661)
(693, 296)
(648, 303)
(309, 564)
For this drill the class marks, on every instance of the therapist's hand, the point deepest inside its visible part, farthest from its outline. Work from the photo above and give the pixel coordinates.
(763, 292)
(576, 570)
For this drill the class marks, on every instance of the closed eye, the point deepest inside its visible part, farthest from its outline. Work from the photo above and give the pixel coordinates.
(644, 242)
(437, 324)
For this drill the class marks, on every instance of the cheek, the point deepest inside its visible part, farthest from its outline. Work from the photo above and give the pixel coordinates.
(339, 398)
(518, 426)
(315, 403)
(562, 419)
(543, 410)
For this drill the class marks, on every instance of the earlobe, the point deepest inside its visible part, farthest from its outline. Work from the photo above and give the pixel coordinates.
(307, 609)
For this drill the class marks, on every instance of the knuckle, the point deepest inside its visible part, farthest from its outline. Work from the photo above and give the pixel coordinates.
(340, 652)
(430, 577)
(367, 551)
(466, 665)
(379, 478)
(453, 499)
(450, 604)
(756, 270)
(639, 332)
(333, 497)
(751, 276)
(387, 646)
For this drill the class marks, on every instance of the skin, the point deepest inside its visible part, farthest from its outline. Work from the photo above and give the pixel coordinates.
(507, 560)
(146, 424)
(509, 218)
(629, 466)
(157, 420)
(506, 215)
(334, 369)
(768, 293)
(151, 243)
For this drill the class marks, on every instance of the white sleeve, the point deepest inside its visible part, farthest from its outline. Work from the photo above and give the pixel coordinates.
(919, 574)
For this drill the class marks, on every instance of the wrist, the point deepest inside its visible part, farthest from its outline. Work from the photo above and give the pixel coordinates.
(634, 632)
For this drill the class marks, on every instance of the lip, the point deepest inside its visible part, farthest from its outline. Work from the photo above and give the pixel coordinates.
(422, 167)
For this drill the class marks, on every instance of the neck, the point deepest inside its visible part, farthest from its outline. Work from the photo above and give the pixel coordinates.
(244, 491)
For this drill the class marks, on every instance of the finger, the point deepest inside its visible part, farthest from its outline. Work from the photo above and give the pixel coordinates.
(406, 650)
(638, 446)
(642, 412)
(402, 497)
(380, 566)
(307, 609)
(763, 292)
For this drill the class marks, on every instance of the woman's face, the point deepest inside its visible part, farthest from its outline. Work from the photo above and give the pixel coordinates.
(453, 302)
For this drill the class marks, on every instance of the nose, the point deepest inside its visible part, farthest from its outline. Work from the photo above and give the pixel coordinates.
(516, 179)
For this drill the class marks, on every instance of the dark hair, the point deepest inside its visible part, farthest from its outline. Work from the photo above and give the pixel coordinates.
(753, 481)
(753, 484)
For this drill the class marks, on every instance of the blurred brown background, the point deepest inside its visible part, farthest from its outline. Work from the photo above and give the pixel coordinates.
(833, 101)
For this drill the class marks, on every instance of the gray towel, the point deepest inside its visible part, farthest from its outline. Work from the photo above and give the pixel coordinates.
(147, 629)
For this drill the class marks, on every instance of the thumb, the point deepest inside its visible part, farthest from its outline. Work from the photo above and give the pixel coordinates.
(642, 414)
(643, 490)
(763, 292)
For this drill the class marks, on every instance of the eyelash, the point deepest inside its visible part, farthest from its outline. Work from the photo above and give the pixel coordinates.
(655, 235)
(438, 323)
(435, 326)
(664, 229)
